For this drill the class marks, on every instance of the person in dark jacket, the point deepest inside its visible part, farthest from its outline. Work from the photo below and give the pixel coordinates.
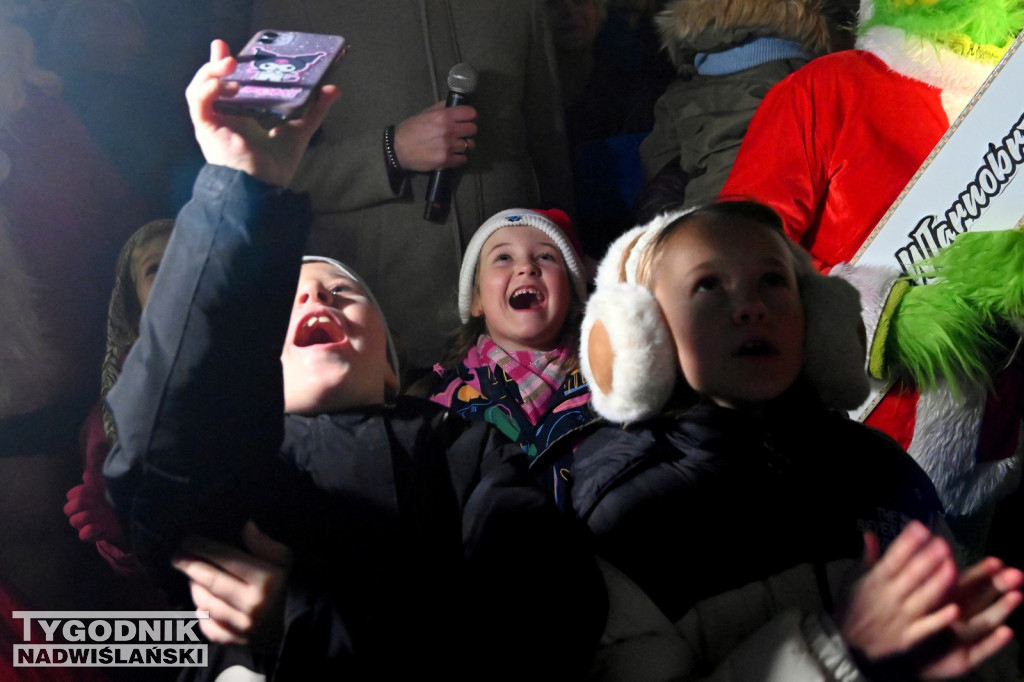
(750, 473)
(420, 544)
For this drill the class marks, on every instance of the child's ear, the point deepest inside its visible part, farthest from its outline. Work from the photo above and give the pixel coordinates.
(476, 309)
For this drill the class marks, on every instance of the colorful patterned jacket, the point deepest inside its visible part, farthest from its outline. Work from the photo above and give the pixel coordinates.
(490, 395)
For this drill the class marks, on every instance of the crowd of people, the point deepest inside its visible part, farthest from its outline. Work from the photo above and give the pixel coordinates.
(527, 439)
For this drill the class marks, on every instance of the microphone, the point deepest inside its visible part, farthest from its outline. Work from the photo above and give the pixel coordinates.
(461, 84)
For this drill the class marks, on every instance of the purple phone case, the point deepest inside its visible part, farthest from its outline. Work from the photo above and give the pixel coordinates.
(278, 72)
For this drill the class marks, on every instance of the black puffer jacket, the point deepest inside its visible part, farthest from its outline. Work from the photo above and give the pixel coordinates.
(718, 498)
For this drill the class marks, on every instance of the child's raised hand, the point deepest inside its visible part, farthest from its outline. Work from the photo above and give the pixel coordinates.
(243, 591)
(901, 599)
(986, 593)
(239, 142)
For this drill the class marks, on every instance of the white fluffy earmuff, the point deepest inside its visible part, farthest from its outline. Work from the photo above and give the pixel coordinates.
(835, 340)
(626, 350)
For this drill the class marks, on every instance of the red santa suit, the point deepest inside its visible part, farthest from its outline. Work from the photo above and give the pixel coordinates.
(830, 148)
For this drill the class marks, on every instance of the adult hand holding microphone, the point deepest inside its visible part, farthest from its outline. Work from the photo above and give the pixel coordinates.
(439, 138)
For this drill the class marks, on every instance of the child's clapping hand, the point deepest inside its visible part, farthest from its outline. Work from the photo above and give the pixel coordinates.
(913, 601)
(987, 593)
(901, 599)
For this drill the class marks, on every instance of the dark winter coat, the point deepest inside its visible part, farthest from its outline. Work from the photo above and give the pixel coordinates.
(717, 498)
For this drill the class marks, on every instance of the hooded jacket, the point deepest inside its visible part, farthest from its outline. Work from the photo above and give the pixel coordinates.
(700, 120)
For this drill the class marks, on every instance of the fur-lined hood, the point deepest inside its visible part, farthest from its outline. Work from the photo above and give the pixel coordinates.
(689, 26)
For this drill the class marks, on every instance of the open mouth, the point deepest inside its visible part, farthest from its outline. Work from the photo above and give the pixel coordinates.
(526, 298)
(756, 348)
(318, 329)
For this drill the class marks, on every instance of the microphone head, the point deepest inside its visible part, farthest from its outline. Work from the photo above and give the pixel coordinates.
(462, 79)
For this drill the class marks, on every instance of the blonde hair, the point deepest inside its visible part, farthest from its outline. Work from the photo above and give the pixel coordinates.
(726, 210)
(124, 312)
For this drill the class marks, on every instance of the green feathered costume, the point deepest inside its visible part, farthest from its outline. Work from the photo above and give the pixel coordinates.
(962, 327)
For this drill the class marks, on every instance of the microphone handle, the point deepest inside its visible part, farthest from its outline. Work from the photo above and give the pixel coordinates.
(439, 189)
(438, 197)
(455, 98)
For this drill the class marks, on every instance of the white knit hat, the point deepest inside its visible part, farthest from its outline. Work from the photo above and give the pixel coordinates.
(354, 276)
(628, 356)
(552, 222)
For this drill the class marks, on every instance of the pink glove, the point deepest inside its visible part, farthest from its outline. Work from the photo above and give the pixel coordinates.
(92, 516)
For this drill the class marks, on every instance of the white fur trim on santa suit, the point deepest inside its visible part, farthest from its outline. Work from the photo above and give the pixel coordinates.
(956, 76)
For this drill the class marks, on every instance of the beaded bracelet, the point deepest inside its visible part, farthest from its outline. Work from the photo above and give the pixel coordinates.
(389, 149)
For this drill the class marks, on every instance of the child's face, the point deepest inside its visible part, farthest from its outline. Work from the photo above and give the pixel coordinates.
(729, 294)
(522, 289)
(335, 355)
(145, 261)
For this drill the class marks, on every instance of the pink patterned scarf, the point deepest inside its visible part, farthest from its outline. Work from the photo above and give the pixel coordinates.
(537, 373)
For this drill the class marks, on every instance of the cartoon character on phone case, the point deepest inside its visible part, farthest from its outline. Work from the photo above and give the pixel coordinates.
(278, 68)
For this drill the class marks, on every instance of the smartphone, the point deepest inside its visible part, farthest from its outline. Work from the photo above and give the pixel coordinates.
(279, 73)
